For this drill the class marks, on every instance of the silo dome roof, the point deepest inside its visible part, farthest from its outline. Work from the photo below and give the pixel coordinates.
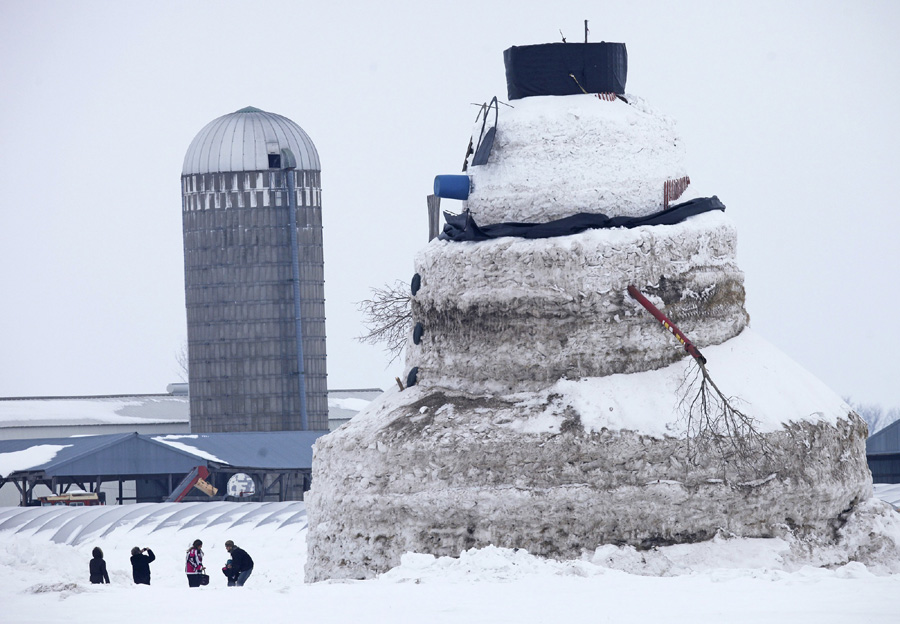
(243, 140)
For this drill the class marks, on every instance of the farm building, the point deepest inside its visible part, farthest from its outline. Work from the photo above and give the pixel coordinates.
(883, 454)
(26, 420)
(272, 465)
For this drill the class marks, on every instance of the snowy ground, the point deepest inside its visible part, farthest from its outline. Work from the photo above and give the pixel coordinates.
(44, 556)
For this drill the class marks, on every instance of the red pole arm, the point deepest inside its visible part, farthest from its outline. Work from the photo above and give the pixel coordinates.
(662, 318)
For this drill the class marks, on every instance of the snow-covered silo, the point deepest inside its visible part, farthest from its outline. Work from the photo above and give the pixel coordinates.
(254, 276)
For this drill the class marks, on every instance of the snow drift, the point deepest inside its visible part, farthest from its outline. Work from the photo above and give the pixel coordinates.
(723, 579)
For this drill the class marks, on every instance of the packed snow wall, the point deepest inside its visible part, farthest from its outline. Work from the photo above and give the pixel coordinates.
(550, 412)
(440, 472)
(563, 312)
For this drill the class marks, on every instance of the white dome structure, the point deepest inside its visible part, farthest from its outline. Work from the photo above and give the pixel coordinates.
(244, 140)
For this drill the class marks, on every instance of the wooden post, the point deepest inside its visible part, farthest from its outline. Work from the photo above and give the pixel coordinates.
(23, 489)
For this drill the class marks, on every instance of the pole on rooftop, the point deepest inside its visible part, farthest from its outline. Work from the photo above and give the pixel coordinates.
(289, 165)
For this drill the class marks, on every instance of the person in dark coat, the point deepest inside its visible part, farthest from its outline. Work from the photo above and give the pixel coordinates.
(98, 567)
(140, 565)
(241, 564)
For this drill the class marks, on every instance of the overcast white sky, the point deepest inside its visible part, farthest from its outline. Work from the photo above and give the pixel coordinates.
(790, 112)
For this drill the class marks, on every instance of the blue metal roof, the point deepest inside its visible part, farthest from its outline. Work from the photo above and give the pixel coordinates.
(258, 449)
(137, 454)
(102, 455)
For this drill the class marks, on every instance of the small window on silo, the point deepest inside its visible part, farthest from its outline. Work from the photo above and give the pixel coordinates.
(274, 154)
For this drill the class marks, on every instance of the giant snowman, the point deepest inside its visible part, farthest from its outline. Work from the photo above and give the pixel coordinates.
(545, 409)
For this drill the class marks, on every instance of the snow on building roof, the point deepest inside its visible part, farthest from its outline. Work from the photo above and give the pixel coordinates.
(243, 141)
(140, 409)
(25, 458)
(94, 410)
(345, 404)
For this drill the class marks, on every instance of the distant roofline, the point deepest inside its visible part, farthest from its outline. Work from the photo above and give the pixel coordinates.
(95, 396)
(139, 396)
(19, 424)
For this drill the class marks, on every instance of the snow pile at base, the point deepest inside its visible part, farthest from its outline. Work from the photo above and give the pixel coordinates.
(725, 579)
(774, 558)
(889, 493)
(556, 156)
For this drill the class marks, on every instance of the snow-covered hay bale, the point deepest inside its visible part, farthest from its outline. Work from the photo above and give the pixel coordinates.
(512, 314)
(581, 464)
(553, 157)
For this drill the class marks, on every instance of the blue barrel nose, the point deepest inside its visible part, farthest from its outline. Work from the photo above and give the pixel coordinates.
(452, 186)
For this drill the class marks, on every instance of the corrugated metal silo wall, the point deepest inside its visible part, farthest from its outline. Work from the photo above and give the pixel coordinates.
(242, 352)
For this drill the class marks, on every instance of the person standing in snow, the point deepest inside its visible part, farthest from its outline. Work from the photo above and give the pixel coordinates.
(194, 564)
(241, 564)
(140, 565)
(98, 567)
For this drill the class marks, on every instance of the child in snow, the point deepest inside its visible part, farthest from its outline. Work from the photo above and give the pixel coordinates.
(98, 567)
(230, 573)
